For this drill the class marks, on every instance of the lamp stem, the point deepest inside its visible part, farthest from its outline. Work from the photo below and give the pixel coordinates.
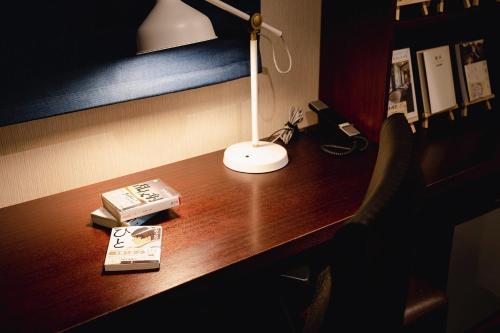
(254, 90)
(253, 156)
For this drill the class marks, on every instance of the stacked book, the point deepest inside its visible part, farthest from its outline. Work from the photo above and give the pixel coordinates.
(134, 205)
(132, 245)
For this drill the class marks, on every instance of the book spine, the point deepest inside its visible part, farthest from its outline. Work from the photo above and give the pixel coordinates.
(148, 209)
(104, 223)
(111, 209)
(412, 115)
(461, 76)
(423, 83)
(137, 221)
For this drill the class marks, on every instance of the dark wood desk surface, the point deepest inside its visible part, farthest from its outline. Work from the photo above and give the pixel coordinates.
(229, 223)
(52, 258)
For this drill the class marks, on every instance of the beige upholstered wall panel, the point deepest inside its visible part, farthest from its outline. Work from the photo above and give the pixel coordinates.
(52, 155)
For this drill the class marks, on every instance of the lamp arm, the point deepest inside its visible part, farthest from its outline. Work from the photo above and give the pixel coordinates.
(257, 24)
(244, 16)
(272, 29)
(230, 9)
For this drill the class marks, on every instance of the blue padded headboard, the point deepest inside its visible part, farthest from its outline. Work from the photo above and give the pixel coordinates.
(64, 56)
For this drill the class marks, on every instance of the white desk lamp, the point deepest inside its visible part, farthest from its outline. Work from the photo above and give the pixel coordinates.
(172, 23)
(253, 156)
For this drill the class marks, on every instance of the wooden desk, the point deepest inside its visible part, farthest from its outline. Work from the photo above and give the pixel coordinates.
(228, 224)
(52, 258)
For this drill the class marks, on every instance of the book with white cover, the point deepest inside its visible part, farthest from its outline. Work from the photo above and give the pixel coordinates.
(140, 199)
(436, 80)
(402, 87)
(102, 217)
(473, 71)
(133, 248)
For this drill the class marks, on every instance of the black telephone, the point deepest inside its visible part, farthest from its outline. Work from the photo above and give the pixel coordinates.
(348, 139)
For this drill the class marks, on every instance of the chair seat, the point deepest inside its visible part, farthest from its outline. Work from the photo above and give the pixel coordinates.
(424, 302)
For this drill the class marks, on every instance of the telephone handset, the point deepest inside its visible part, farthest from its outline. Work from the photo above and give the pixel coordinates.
(347, 138)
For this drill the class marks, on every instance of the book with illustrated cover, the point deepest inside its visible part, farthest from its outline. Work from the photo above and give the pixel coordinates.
(140, 199)
(102, 217)
(401, 86)
(133, 248)
(436, 80)
(473, 71)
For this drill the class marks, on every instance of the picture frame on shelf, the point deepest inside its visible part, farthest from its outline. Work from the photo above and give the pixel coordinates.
(402, 87)
(473, 74)
(436, 82)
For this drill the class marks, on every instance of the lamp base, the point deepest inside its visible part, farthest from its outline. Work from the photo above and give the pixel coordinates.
(245, 157)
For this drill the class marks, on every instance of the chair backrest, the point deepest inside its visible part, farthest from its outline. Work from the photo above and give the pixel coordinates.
(370, 253)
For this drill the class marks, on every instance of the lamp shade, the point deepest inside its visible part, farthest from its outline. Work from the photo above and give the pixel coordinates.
(173, 23)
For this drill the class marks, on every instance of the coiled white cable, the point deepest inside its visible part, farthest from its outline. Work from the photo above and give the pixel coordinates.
(274, 55)
(286, 133)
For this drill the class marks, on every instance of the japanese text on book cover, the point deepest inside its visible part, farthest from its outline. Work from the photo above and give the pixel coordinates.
(132, 248)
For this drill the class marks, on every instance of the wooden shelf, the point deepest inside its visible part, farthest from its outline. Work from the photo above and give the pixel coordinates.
(452, 15)
(429, 20)
(357, 43)
(446, 28)
(464, 150)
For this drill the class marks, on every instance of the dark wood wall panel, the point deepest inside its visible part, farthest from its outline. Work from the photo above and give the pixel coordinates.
(356, 43)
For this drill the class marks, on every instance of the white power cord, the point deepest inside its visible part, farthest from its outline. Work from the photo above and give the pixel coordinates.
(274, 55)
(296, 115)
(286, 133)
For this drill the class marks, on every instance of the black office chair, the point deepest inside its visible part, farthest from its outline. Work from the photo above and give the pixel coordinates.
(364, 285)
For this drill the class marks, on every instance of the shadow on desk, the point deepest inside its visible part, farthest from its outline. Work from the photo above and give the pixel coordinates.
(244, 306)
